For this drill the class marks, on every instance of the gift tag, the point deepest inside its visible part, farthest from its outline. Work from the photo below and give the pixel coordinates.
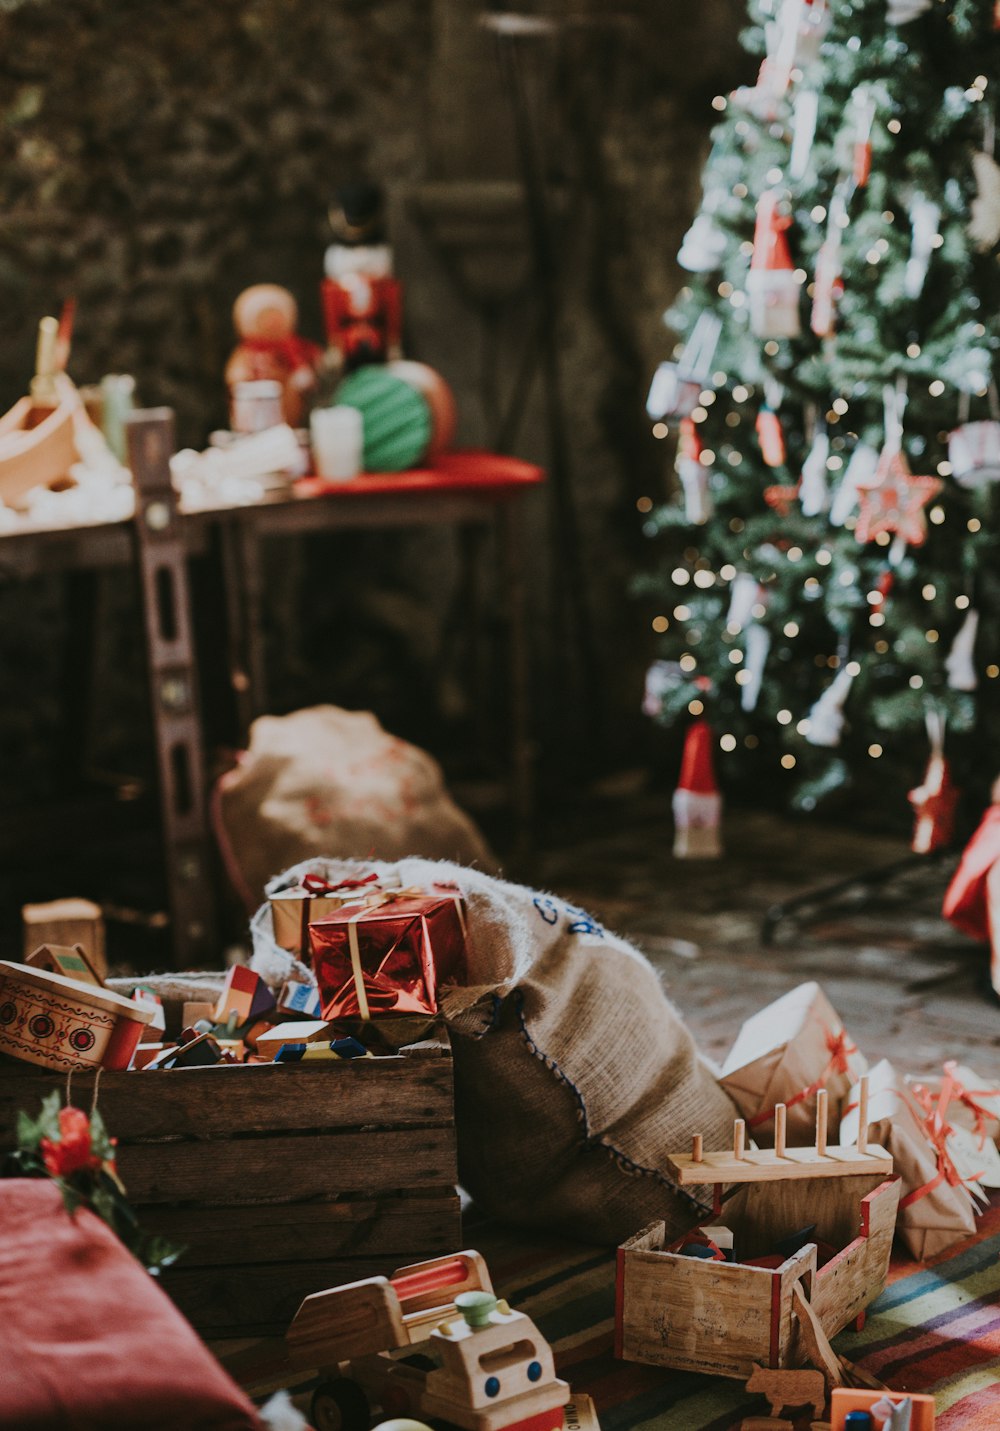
(977, 1165)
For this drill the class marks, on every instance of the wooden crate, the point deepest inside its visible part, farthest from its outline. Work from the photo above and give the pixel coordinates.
(725, 1318)
(280, 1180)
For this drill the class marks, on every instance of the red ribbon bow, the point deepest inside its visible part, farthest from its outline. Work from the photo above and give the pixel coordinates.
(938, 1130)
(316, 884)
(839, 1051)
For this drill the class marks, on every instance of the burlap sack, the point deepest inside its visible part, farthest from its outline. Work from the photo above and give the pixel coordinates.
(333, 781)
(575, 1076)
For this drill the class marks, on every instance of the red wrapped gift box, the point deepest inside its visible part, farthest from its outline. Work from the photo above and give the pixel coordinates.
(388, 954)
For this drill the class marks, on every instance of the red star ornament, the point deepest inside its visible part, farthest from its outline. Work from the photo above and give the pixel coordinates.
(894, 500)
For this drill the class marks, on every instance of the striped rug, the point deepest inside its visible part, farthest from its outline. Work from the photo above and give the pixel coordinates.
(936, 1328)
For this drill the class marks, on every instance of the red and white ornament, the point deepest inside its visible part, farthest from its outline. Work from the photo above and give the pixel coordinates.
(697, 802)
(805, 112)
(676, 386)
(772, 286)
(771, 437)
(935, 800)
(828, 283)
(861, 121)
(694, 475)
(974, 453)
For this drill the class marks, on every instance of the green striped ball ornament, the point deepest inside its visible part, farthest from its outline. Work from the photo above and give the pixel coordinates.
(396, 418)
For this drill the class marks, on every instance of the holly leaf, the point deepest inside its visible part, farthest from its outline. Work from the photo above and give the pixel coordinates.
(100, 1142)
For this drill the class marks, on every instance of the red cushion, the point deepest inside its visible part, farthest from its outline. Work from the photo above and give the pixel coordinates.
(90, 1343)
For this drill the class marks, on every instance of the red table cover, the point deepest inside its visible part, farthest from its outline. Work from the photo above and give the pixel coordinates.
(90, 1343)
(472, 472)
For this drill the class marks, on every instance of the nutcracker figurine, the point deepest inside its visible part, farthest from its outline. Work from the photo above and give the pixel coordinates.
(362, 306)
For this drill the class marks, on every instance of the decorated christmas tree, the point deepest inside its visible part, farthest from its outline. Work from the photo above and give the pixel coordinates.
(830, 591)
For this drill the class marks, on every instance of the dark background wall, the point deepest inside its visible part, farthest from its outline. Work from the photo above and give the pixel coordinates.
(155, 158)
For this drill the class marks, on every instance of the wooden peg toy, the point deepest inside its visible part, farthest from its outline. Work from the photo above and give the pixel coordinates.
(675, 1307)
(822, 1115)
(863, 1115)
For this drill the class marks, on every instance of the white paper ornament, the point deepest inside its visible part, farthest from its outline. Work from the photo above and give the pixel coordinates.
(703, 247)
(757, 644)
(698, 504)
(745, 593)
(814, 495)
(901, 12)
(676, 386)
(959, 663)
(925, 216)
(858, 472)
(804, 115)
(826, 718)
(984, 225)
(772, 287)
(974, 453)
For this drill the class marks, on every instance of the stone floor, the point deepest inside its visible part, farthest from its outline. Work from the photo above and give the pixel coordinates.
(907, 985)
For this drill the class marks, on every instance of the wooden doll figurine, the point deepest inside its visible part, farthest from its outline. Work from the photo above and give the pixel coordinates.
(266, 317)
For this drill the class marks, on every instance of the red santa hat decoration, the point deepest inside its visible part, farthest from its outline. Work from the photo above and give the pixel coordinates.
(772, 286)
(697, 802)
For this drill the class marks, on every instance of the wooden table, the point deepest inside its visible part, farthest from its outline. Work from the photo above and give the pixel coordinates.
(472, 491)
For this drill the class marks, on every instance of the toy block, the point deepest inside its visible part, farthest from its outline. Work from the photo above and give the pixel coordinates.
(147, 1053)
(199, 1051)
(302, 1031)
(194, 1011)
(70, 962)
(67, 922)
(789, 1388)
(722, 1237)
(245, 993)
(155, 1029)
(340, 1050)
(879, 1405)
(580, 1414)
(301, 999)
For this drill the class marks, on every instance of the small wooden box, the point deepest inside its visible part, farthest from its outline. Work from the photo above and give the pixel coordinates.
(279, 1180)
(725, 1317)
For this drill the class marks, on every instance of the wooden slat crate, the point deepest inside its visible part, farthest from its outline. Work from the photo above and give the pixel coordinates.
(279, 1180)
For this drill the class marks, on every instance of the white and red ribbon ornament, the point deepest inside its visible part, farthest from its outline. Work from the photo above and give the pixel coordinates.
(925, 216)
(772, 286)
(862, 119)
(828, 283)
(697, 802)
(694, 475)
(974, 451)
(935, 799)
(771, 437)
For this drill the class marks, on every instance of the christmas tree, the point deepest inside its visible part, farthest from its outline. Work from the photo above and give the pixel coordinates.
(830, 594)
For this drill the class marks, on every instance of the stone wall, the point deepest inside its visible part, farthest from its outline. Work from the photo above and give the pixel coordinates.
(156, 158)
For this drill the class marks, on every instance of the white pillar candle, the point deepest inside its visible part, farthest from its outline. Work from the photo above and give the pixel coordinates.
(337, 441)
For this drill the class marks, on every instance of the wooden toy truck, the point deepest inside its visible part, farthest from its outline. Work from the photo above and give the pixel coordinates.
(725, 1318)
(430, 1341)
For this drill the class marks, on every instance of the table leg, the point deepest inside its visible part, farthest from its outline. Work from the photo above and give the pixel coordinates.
(521, 747)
